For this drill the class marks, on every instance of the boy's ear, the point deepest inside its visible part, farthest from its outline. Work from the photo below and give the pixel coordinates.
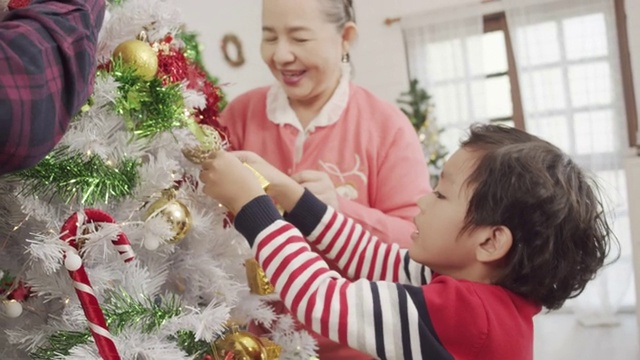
(496, 244)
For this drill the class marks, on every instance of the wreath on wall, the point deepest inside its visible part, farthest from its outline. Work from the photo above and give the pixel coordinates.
(232, 50)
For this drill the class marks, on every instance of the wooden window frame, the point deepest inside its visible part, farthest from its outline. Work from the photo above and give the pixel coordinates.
(627, 73)
(498, 21)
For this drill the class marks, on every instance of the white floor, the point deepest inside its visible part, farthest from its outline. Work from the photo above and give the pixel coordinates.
(561, 337)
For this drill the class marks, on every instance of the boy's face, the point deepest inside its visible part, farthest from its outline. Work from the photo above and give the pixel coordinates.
(438, 242)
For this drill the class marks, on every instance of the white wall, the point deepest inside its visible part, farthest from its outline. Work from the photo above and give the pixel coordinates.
(212, 19)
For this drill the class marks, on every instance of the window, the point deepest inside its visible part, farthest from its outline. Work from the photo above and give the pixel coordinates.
(570, 80)
(570, 84)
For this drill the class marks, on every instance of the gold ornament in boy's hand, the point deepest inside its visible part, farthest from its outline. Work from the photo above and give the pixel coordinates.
(210, 143)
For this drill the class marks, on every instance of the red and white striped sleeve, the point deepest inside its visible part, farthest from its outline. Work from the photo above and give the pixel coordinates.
(383, 318)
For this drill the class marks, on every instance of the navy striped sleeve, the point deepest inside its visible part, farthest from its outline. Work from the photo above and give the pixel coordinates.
(432, 348)
(307, 213)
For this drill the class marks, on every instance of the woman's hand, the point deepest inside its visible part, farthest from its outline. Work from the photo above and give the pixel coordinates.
(320, 185)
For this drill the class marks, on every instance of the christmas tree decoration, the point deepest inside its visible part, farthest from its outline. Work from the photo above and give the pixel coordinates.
(72, 260)
(139, 55)
(258, 281)
(416, 104)
(13, 289)
(173, 212)
(243, 345)
(84, 176)
(123, 178)
(210, 142)
(193, 51)
(12, 308)
(273, 349)
(69, 232)
(84, 290)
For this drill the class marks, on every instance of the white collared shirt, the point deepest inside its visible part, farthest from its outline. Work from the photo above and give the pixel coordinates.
(279, 110)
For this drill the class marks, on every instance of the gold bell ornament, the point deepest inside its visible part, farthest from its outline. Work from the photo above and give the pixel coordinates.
(243, 345)
(256, 278)
(175, 213)
(140, 55)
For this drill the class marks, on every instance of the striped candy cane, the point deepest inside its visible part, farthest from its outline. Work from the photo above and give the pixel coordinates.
(93, 312)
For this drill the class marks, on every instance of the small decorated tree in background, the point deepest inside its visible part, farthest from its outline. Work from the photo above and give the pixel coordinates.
(416, 104)
(108, 247)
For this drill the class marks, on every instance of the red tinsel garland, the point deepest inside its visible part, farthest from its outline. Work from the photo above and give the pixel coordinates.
(174, 66)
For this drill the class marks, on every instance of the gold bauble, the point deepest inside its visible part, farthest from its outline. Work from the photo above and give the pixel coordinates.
(173, 212)
(243, 345)
(273, 349)
(197, 154)
(210, 143)
(140, 55)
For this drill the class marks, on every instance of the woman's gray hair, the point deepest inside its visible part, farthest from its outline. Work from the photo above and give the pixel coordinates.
(339, 12)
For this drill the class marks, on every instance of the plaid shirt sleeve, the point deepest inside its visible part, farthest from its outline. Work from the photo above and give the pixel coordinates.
(47, 69)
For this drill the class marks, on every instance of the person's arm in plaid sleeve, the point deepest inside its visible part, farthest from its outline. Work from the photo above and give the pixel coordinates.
(47, 68)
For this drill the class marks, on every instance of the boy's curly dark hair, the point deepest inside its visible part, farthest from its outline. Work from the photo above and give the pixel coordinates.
(560, 233)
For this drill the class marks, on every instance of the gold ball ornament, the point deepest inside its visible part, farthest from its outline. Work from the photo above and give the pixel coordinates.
(243, 345)
(197, 154)
(174, 213)
(140, 55)
(210, 143)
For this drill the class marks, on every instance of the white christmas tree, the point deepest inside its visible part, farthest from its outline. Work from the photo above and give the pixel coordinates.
(108, 247)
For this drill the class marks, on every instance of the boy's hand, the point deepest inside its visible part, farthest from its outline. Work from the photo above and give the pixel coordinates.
(284, 190)
(229, 182)
(320, 185)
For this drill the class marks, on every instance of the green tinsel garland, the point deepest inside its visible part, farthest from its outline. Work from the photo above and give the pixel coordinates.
(186, 341)
(80, 178)
(148, 107)
(120, 311)
(123, 310)
(5, 282)
(60, 344)
(193, 51)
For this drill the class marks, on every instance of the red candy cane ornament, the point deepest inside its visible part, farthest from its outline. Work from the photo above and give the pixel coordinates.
(84, 290)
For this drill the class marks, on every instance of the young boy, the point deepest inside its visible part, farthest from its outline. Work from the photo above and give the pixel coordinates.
(513, 225)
